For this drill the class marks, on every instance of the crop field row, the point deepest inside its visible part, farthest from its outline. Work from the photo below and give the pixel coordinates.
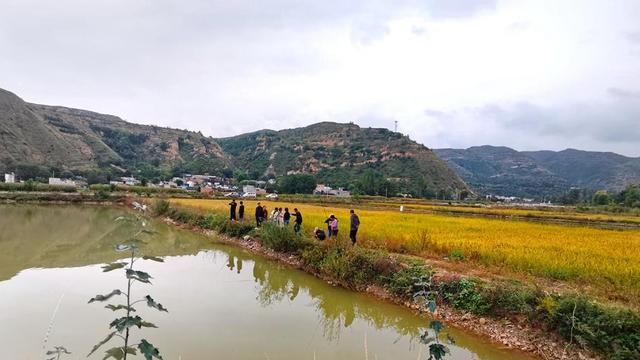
(608, 259)
(557, 213)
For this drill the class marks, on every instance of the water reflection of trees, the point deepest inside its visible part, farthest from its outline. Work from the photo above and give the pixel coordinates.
(61, 236)
(336, 310)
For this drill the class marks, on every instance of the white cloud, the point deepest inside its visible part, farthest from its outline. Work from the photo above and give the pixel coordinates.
(229, 67)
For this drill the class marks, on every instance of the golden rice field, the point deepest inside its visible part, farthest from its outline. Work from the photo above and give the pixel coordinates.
(551, 213)
(605, 258)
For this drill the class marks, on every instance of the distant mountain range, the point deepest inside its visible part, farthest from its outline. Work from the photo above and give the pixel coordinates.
(54, 138)
(505, 171)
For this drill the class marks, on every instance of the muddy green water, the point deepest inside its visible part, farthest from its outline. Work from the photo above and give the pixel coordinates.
(224, 303)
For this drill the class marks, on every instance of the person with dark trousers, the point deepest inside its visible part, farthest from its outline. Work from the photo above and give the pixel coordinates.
(241, 211)
(333, 226)
(298, 221)
(232, 210)
(328, 222)
(258, 215)
(355, 224)
(286, 218)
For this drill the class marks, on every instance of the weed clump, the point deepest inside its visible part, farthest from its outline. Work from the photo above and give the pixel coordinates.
(404, 282)
(467, 295)
(233, 229)
(614, 332)
(282, 239)
(159, 207)
(355, 267)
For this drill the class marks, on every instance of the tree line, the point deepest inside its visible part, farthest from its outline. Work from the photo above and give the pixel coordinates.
(629, 197)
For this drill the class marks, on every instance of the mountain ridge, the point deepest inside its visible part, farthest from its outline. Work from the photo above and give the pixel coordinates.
(548, 172)
(334, 151)
(56, 138)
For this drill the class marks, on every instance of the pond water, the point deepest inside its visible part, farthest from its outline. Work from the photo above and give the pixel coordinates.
(223, 302)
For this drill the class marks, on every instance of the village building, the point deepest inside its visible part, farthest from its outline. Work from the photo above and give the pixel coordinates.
(322, 189)
(10, 178)
(61, 182)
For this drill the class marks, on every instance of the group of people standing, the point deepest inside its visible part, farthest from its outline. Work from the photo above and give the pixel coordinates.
(333, 226)
(282, 217)
(233, 206)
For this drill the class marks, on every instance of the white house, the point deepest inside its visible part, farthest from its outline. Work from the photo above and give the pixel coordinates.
(322, 189)
(249, 190)
(10, 178)
(61, 182)
(131, 181)
(340, 193)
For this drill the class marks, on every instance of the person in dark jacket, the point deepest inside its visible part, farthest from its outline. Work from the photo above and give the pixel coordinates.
(319, 234)
(286, 217)
(258, 215)
(241, 211)
(232, 210)
(298, 221)
(355, 224)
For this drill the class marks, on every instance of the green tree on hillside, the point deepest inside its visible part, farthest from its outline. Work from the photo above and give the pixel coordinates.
(631, 196)
(601, 198)
(297, 184)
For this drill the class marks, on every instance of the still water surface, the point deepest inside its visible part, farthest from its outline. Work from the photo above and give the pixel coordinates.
(224, 303)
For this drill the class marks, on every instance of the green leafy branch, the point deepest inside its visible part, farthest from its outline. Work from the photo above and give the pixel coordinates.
(428, 296)
(121, 327)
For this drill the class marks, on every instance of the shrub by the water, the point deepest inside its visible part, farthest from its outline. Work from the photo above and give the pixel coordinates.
(404, 281)
(510, 299)
(234, 229)
(467, 295)
(357, 266)
(313, 256)
(614, 332)
(160, 207)
(282, 239)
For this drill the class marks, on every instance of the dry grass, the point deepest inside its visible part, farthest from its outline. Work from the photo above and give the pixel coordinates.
(608, 259)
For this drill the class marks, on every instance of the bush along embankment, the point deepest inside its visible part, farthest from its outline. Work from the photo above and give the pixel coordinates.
(611, 332)
(31, 186)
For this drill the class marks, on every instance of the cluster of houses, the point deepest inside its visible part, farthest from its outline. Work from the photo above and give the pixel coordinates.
(126, 180)
(214, 184)
(196, 183)
(10, 178)
(508, 199)
(322, 189)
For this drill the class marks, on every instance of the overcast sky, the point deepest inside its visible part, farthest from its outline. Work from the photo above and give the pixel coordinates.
(454, 73)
